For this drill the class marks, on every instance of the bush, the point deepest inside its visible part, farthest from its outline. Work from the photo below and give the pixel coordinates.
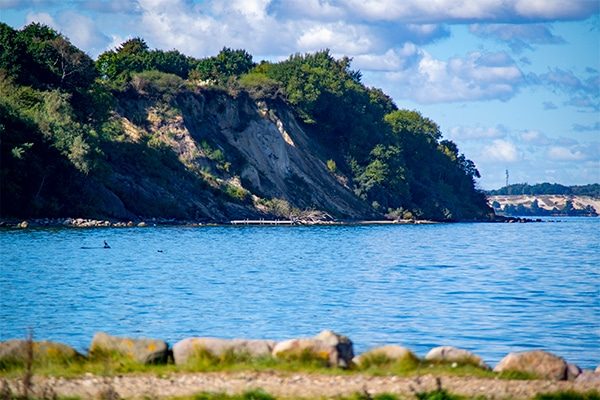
(331, 166)
(157, 85)
(259, 85)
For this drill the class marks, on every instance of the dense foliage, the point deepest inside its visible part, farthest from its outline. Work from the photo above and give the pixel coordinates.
(396, 158)
(546, 188)
(58, 123)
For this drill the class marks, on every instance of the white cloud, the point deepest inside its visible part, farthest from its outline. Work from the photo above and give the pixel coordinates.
(342, 38)
(500, 150)
(83, 32)
(41, 18)
(478, 76)
(534, 137)
(517, 36)
(477, 132)
(560, 153)
(391, 60)
(428, 11)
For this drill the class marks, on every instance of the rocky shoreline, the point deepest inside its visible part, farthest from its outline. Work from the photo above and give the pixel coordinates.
(152, 222)
(536, 371)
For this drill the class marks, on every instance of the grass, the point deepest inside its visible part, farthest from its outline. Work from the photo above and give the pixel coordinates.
(569, 395)
(112, 363)
(229, 361)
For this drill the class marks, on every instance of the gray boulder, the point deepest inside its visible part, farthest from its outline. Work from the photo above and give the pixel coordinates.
(186, 348)
(573, 371)
(383, 354)
(449, 354)
(588, 377)
(539, 363)
(16, 352)
(334, 349)
(141, 350)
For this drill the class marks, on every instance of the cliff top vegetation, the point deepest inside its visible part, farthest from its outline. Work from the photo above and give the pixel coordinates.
(63, 119)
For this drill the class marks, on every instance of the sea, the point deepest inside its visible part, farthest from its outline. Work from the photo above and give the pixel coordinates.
(492, 288)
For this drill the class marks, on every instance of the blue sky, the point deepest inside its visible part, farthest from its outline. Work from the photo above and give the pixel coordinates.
(515, 83)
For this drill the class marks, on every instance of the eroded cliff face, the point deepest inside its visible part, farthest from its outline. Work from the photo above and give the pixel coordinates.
(209, 155)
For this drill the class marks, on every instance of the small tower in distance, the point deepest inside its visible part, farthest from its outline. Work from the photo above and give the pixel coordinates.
(507, 178)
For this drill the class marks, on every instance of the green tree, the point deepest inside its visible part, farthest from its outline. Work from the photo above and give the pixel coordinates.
(228, 63)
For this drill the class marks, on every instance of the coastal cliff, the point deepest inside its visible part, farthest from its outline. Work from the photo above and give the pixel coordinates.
(545, 205)
(143, 133)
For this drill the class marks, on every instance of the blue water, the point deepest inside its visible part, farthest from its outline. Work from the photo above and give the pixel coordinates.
(490, 288)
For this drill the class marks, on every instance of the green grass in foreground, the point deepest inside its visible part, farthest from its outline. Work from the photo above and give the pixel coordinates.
(203, 361)
(439, 394)
(569, 395)
(261, 395)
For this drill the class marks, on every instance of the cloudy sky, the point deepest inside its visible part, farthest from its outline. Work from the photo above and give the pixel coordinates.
(515, 83)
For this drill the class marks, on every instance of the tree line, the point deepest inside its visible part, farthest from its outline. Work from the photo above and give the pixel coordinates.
(57, 121)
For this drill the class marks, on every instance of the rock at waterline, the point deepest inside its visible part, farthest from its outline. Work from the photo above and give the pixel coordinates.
(185, 350)
(334, 349)
(589, 377)
(389, 353)
(537, 362)
(573, 371)
(15, 352)
(142, 350)
(450, 354)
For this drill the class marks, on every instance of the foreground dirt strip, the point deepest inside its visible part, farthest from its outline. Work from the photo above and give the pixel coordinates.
(296, 385)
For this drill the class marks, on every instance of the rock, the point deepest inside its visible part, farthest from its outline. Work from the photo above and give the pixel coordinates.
(391, 353)
(450, 354)
(186, 348)
(15, 352)
(573, 371)
(336, 350)
(142, 350)
(23, 224)
(540, 363)
(589, 376)
(597, 369)
(141, 224)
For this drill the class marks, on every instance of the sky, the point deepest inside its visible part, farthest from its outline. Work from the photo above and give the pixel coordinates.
(514, 83)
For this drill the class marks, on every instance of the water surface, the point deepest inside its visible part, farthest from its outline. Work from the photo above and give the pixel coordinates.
(490, 288)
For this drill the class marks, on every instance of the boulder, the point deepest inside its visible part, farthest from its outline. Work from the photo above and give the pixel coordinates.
(142, 350)
(255, 348)
(597, 369)
(588, 377)
(334, 349)
(573, 371)
(450, 354)
(391, 353)
(540, 363)
(15, 352)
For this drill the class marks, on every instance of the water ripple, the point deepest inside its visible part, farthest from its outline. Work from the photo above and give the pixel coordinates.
(491, 288)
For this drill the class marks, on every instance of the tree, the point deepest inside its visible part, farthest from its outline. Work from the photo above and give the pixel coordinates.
(228, 63)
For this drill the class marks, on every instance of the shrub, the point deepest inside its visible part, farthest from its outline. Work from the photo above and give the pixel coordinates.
(156, 84)
(331, 166)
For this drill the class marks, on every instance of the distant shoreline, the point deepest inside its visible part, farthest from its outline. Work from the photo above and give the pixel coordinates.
(155, 222)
